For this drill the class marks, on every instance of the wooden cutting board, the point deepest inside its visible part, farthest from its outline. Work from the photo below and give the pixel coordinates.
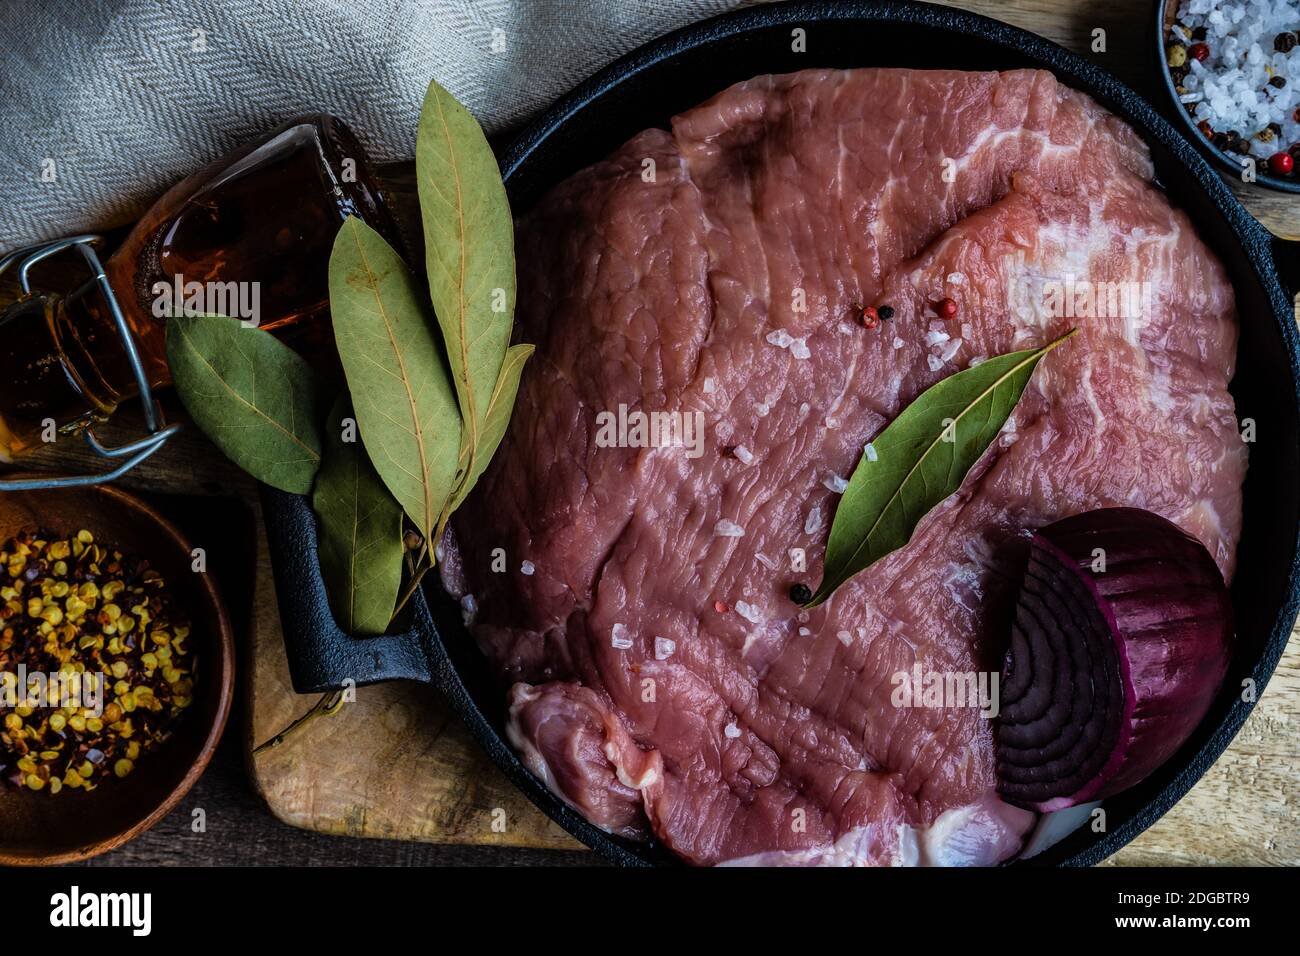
(397, 764)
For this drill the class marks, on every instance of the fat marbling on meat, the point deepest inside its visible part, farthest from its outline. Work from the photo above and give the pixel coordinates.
(661, 679)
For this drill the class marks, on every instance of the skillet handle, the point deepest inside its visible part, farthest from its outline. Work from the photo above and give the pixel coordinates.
(322, 657)
(1286, 254)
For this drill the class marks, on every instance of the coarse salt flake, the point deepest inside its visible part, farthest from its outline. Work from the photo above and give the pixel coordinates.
(835, 483)
(619, 638)
(664, 648)
(743, 454)
(527, 567)
(731, 730)
(728, 529)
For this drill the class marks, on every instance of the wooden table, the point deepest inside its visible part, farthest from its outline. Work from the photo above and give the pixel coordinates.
(396, 765)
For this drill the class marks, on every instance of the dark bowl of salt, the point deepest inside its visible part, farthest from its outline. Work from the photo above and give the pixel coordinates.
(1233, 77)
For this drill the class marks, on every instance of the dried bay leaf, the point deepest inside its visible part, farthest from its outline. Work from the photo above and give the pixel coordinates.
(251, 394)
(497, 416)
(360, 542)
(921, 458)
(469, 258)
(405, 405)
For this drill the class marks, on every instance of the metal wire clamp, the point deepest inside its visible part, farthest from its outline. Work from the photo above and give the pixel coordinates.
(132, 453)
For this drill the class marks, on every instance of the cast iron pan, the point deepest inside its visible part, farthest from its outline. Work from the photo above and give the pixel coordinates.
(678, 71)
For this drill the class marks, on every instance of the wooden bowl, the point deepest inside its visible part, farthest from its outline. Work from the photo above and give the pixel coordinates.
(42, 828)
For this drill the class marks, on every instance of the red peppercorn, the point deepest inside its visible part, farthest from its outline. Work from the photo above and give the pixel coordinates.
(870, 317)
(1206, 129)
(1198, 51)
(720, 607)
(946, 308)
(1281, 164)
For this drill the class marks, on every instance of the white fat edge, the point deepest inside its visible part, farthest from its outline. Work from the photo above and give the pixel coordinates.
(649, 777)
(1159, 391)
(961, 581)
(1054, 827)
(1090, 395)
(958, 836)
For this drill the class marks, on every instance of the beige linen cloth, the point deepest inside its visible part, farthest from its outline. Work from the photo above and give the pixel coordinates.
(105, 103)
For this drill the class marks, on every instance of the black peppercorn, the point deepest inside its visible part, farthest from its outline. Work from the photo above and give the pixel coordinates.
(800, 593)
(886, 312)
(1277, 82)
(1284, 42)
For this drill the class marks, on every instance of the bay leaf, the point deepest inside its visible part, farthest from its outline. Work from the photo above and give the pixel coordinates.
(360, 542)
(921, 458)
(405, 405)
(500, 404)
(251, 394)
(469, 258)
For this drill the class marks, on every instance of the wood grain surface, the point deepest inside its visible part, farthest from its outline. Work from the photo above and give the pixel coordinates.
(395, 765)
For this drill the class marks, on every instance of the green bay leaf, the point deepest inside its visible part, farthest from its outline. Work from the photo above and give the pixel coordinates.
(497, 416)
(251, 394)
(922, 457)
(360, 542)
(405, 406)
(469, 258)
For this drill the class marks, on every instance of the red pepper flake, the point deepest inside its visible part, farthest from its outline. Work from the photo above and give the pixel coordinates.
(720, 607)
(946, 308)
(1198, 51)
(870, 318)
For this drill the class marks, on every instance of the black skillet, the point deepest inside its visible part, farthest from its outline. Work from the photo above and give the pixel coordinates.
(678, 71)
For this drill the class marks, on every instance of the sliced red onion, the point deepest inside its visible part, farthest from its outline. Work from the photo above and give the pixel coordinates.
(1108, 671)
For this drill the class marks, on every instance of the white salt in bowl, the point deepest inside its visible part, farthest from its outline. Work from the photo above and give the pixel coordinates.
(1230, 88)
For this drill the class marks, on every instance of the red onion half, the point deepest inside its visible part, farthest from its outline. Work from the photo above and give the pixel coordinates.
(1109, 671)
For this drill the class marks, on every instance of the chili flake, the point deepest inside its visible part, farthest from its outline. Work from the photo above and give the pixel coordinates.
(103, 651)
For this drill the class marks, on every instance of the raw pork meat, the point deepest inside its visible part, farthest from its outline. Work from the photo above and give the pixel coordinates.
(664, 683)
